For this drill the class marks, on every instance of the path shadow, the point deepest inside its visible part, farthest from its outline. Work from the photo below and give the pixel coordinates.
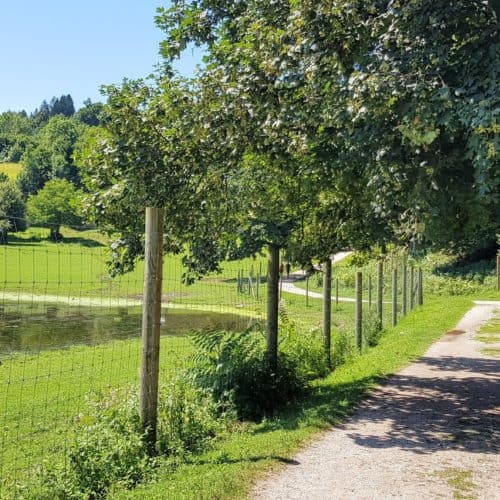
(421, 415)
(428, 414)
(226, 459)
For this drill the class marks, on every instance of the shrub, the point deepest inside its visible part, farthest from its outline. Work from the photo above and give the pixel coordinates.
(372, 330)
(188, 418)
(109, 447)
(235, 368)
(305, 349)
(342, 348)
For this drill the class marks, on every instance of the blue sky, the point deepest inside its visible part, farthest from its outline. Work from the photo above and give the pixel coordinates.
(54, 47)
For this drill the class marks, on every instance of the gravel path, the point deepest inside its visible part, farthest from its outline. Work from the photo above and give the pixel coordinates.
(432, 431)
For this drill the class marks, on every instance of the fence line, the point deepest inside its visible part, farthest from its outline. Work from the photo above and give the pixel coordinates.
(69, 331)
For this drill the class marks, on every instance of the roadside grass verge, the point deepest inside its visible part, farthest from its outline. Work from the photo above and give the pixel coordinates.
(489, 334)
(232, 467)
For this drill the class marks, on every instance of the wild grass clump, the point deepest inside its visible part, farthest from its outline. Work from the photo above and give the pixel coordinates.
(372, 330)
(109, 450)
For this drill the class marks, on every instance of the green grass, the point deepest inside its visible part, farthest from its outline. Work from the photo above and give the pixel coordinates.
(233, 466)
(42, 395)
(460, 481)
(31, 264)
(11, 169)
(489, 333)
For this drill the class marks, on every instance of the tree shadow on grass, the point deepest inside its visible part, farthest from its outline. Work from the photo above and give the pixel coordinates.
(15, 241)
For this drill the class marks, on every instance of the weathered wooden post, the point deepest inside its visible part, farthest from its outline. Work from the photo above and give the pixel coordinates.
(420, 287)
(327, 308)
(359, 310)
(151, 315)
(404, 285)
(370, 292)
(273, 277)
(394, 297)
(412, 287)
(380, 290)
(498, 271)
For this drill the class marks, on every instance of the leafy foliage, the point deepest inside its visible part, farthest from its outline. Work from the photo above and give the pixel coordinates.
(50, 155)
(12, 209)
(236, 369)
(57, 204)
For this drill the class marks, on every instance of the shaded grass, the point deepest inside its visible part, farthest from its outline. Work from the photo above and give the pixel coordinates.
(230, 470)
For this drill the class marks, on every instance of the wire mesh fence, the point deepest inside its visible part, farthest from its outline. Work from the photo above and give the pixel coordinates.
(69, 331)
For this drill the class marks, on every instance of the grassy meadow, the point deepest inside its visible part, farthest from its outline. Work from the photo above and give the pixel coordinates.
(43, 396)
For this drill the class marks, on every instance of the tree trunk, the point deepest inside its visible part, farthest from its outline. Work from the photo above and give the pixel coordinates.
(273, 275)
(55, 233)
(327, 308)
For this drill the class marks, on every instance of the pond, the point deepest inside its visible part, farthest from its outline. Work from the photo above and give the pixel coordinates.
(31, 327)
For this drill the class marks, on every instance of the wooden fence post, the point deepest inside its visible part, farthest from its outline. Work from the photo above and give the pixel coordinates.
(412, 287)
(420, 287)
(273, 278)
(359, 310)
(151, 316)
(394, 297)
(404, 285)
(380, 290)
(327, 308)
(370, 292)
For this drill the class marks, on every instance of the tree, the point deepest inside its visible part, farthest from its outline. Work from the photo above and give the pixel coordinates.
(147, 153)
(91, 113)
(50, 156)
(57, 203)
(275, 96)
(11, 210)
(16, 130)
(426, 106)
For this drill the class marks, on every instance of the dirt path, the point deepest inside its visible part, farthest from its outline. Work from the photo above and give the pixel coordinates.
(433, 431)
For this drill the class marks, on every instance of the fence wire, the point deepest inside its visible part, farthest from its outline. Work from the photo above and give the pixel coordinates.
(69, 331)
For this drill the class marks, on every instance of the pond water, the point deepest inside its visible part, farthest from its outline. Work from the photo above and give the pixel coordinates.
(30, 328)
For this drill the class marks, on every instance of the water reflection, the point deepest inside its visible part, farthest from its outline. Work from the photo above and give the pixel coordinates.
(32, 327)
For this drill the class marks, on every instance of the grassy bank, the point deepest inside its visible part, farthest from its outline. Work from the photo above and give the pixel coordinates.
(44, 395)
(232, 467)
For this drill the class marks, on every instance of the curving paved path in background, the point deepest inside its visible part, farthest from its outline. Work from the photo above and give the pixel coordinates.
(432, 431)
(288, 284)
